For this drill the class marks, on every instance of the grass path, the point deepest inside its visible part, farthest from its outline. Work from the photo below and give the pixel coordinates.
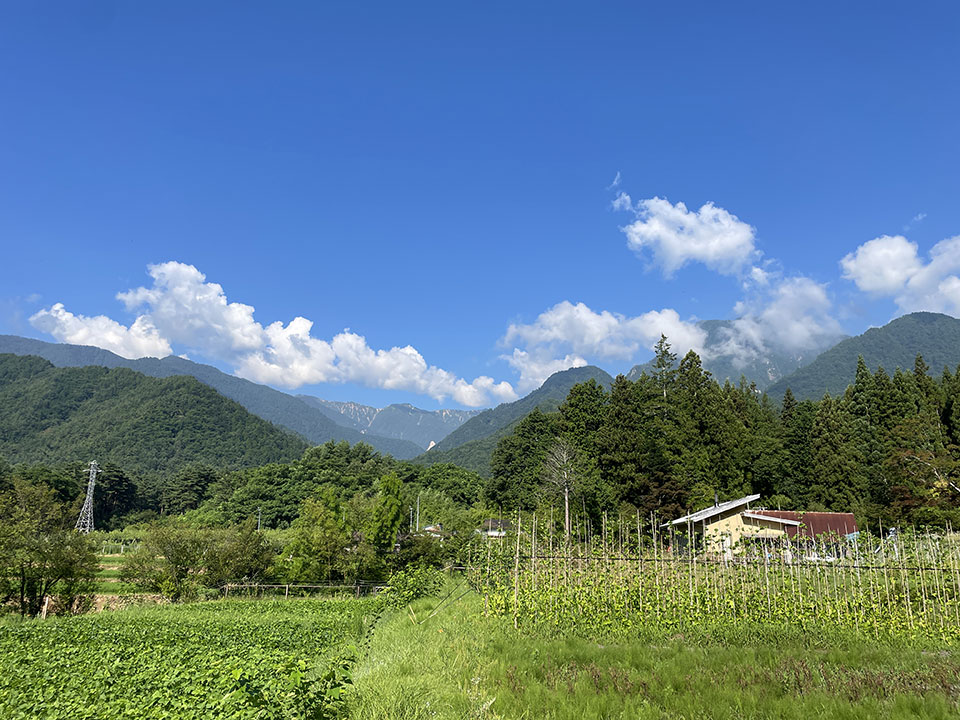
(458, 664)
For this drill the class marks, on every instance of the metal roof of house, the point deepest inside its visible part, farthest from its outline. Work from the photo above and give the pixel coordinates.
(764, 515)
(707, 513)
(815, 524)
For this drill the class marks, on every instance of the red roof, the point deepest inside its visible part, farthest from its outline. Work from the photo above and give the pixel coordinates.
(814, 523)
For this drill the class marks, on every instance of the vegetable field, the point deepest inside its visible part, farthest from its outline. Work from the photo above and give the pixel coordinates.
(226, 659)
(898, 589)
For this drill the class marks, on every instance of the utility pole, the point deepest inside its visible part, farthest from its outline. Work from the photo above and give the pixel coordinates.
(418, 512)
(258, 518)
(85, 521)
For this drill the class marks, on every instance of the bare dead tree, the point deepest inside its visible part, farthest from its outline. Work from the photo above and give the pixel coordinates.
(559, 471)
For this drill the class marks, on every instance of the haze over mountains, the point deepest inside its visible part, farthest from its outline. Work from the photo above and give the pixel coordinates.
(472, 444)
(725, 361)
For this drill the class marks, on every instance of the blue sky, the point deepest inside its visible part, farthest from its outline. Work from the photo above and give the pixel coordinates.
(427, 175)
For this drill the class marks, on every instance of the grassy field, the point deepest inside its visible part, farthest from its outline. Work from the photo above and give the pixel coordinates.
(108, 576)
(224, 659)
(459, 664)
(451, 658)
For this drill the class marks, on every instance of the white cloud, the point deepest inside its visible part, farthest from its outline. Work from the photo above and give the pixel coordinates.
(537, 365)
(139, 340)
(182, 308)
(190, 311)
(676, 236)
(891, 267)
(293, 358)
(883, 265)
(794, 315)
(564, 335)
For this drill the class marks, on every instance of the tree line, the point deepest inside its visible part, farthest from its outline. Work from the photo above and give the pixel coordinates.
(675, 440)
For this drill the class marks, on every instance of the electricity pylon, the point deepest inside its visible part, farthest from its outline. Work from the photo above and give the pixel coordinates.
(85, 521)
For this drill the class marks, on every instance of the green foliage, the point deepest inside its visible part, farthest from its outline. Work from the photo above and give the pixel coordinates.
(462, 664)
(177, 560)
(41, 554)
(895, 345)
(388, 514)
(318, 539)
(546, 398)
(669, 443)
(900, 590)
(118, 416)
(226, 659)
(412, 584)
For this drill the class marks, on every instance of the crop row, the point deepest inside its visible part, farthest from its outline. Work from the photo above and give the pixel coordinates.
(228, 659)
(902, 590)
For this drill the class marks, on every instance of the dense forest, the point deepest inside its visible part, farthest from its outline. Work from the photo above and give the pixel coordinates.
(673, 440)
(145, 425)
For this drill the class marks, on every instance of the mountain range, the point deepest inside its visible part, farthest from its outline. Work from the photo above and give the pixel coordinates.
(272, 405)
(895, 345)
(933, 335)
(400, 421)
(468, 437)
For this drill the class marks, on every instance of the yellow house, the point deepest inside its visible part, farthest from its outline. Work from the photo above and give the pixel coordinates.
(724, 524)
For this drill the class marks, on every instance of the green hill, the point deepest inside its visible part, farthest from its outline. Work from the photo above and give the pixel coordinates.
(143, 424)
(472, 444)
(272, 405)
(896, 344)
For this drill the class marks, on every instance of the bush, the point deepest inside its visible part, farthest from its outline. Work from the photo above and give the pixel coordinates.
(413, 583)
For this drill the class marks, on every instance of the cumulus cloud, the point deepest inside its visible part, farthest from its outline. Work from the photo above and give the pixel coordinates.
(193, 312)
(536, 365)
(794, 315)
(563, 335)
(182, 308)
(892, 267)
(675, 236)
(293, 358)
(883, 265)
(141, 339)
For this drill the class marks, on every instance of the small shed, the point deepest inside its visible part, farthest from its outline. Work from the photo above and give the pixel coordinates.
(495, 528)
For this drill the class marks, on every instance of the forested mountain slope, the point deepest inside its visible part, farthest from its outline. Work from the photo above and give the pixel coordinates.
(896, 344)
(272, 405)
(400, 421)
(471, 444)
(152, 425)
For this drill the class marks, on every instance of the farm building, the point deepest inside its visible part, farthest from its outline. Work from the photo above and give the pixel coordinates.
(495, 528)
(725, 524)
